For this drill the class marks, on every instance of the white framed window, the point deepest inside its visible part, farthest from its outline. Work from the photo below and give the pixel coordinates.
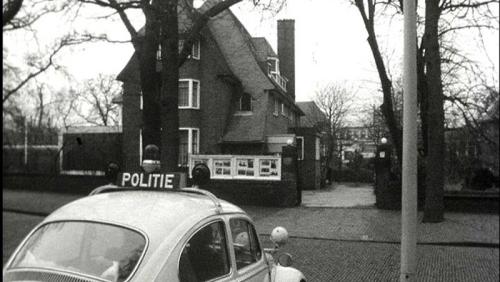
(189, 143)
(245, 102)
(189, 94)
(300, 147)
(195, 49)
(282, 109)
(245, 168)
(240, 166)
(268, 168)
(276, 107)
(140, 147)
(222, 167)
(141, 101)
(273, 65)
(317, 148)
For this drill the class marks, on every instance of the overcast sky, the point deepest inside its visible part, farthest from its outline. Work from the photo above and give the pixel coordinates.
(330, 43)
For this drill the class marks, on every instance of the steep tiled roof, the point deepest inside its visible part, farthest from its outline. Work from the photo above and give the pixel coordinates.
(245, 129)
(313, 115)
(240, 54)
(263, 49)
(130, 73)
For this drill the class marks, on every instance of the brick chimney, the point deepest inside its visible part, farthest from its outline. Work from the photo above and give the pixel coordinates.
(286, 53)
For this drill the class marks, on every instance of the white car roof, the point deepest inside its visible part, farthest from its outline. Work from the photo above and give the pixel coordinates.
(156, 213)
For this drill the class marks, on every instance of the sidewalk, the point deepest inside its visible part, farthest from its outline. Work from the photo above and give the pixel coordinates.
(365, 224)
(340, 195)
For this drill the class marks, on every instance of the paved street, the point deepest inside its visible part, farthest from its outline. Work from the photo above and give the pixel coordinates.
(334, 244)
(340, 195)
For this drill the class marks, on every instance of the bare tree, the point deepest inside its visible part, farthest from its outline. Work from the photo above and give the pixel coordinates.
(94, 101)
(22, 14)
(430, 87)
(335, 100)
(40, 59)
(367, 13)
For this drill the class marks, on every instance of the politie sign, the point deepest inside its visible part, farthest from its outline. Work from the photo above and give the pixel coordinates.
(173, 180)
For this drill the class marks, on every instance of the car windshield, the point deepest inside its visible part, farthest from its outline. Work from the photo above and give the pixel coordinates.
(106, 251)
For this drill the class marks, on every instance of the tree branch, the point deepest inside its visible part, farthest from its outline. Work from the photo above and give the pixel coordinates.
(200, 22)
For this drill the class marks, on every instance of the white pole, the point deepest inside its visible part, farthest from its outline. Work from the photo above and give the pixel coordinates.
(409, 164)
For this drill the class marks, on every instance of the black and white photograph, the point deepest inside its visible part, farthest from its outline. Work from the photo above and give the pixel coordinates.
(251, 140)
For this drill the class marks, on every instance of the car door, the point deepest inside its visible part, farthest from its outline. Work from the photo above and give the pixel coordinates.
(249, 260)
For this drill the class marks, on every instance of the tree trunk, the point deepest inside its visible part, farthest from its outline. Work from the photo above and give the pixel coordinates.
(422, 98)
(170, 86)
(40, 115)
(387, 106)
(434, 204)
(150, 82)
(11, 8)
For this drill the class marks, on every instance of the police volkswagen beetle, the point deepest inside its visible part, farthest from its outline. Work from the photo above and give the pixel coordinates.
(149, 232)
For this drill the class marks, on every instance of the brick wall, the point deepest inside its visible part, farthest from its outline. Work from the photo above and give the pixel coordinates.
(309, 167)
(94, 153)
(244, 149)
(215, 96)
(276, 124)
(258, 193)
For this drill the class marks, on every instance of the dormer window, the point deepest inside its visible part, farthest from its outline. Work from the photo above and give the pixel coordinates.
(273, 71)
(245, 102)
(273, 65)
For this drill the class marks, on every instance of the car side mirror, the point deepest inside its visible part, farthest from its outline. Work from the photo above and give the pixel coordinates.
(279, 236)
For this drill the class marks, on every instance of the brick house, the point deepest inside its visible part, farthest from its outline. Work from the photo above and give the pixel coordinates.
(312, 141)
(236, 95)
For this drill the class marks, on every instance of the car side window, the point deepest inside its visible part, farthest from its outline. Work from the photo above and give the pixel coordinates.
(205, 256)
(245, 243)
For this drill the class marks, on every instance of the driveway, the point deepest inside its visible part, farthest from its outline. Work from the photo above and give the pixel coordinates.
(340, 195)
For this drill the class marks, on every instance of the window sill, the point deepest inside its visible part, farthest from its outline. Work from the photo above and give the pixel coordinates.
(189, 108)
(243, 113)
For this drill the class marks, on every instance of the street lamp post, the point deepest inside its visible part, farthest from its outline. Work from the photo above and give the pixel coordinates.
(409, 161)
